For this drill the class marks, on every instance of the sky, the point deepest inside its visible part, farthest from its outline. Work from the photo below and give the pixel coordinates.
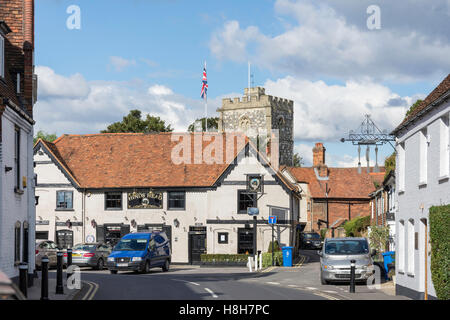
(149, 55)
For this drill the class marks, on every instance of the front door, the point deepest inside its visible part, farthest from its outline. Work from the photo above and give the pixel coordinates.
(245, 241)
(197, 245)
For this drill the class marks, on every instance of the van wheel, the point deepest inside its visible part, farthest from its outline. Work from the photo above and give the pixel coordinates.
(113, 271)
(166, 266)
(146, 268)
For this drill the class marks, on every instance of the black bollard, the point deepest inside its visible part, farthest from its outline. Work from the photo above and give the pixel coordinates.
(352, 276)
(59, 273)
(23, 277)
(44, 279)
(69, 262)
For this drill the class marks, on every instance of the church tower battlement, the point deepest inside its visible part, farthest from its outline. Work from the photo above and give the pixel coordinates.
(258, 113)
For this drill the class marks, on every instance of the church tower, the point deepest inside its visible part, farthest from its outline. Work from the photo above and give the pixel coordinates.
(258, 114)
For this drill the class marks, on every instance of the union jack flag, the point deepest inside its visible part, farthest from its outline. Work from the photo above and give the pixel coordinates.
(204, 83)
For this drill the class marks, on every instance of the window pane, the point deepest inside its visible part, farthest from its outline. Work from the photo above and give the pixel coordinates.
(113, 200)
(177, 200)
(68, 197)
(246, 200)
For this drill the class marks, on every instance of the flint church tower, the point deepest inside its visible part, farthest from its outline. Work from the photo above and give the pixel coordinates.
(258, 114)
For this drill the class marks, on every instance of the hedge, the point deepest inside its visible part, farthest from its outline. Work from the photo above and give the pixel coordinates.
(224, 257)
(356, 226)
(276, 246)
(267, 259)
(440, 250)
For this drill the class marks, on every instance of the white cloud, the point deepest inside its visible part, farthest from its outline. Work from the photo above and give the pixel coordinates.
(63, 107)
(54, 85)
(321, 41)
(327, 112)
(119, 63)
(160, 90)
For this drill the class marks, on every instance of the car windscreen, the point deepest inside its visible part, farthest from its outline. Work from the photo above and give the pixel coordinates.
(313, 236)
(131, 245)
(346, 247)
(84, 247)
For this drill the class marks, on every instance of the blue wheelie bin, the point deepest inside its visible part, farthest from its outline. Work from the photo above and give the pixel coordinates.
(287, 256)
(388, 257)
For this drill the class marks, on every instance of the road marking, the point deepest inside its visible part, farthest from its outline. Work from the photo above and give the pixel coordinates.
(320, 294)
(93, 287)
(329, 291)
(89, 290)
(292, 286)
(311, 288)
(273, 282)
(194, 283)
(269, 269)
(212, 293)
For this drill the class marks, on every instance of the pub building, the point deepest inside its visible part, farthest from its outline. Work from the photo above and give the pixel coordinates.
(99, 187)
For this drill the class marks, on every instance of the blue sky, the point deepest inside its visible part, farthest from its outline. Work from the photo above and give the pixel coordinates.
(149, 55)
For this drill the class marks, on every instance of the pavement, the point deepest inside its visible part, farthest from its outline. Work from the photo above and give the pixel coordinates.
(34, 293)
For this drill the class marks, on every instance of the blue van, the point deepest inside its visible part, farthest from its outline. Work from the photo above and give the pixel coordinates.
(139, 252)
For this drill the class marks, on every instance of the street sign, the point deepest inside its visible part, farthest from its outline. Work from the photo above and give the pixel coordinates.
(252, 211)
(272, 219)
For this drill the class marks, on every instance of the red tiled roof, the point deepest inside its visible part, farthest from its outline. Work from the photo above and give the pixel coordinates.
(345, 183)
(442, 88)
(137, 160)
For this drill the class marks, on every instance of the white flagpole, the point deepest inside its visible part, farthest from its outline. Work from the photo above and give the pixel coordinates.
(206, 106)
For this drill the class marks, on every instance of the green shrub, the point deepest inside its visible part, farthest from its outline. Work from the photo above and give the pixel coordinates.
(224, 257)
(379, 238)
(267, 259)
(440, 250)
(356, 226)
(276, 246)
(323, 233)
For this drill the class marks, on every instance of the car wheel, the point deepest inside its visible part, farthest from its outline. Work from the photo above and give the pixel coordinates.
(166, 266)
(322, 280)
(113, 271)
(100, 264)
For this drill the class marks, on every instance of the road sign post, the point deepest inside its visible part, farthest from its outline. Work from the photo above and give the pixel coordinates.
(273, 221)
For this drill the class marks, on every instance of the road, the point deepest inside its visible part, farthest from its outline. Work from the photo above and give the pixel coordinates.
(184, 282)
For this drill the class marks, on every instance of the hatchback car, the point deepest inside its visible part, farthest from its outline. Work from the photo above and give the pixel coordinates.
(90, 255)
(46, 248)
(310, 240)
(141, 251)
(336, 256)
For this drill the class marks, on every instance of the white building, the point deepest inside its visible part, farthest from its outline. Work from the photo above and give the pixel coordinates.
(422, 178)
(17, 96)
(102, 186)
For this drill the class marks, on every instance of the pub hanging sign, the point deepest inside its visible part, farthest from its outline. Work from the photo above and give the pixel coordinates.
(145, 199)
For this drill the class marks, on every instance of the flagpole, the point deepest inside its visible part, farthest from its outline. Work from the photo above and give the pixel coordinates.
(206, 108)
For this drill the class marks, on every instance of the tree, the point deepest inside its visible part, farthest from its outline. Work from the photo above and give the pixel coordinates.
(298, 160)
(414, 106)
(389, 164)
(44, 136)
(133, 122)
(213, 124)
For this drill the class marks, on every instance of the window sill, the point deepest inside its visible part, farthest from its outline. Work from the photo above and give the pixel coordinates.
(18, 191)
(400, 192)
(60, 209)
(401, 272)
(410, 274)
(422, 185)
(442, 179)
(113, 209)
(176, 209)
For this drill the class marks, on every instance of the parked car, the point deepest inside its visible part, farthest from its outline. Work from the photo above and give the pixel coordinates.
(336, 255)
(8, 290)
(46, 248)
(140, 252)
(310, 240)
(90, 255)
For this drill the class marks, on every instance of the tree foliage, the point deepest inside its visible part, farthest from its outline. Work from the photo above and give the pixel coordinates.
(379, 238)
(133, 122)
(389, 164)
(213, 124)
(414, 106)
(356, 226)
(50, 137)
(298, 160)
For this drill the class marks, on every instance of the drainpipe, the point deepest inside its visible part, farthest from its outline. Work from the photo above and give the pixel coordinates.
(83, 215)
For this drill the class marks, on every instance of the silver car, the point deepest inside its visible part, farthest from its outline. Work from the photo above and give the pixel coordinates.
(336, 255)
(92, 255)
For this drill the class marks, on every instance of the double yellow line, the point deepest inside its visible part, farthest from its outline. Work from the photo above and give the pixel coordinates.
(93, 287)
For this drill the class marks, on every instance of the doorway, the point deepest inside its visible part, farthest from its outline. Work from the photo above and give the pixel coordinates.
(64, 239)
(245, 241)
(197, 243)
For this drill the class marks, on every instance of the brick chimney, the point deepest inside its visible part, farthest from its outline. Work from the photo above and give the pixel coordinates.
(28, 49)
(319, 159)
